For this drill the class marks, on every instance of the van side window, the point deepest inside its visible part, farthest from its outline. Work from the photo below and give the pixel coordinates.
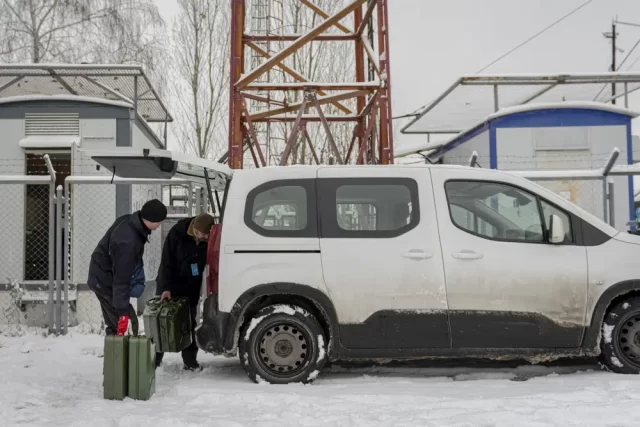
(356, 216)
(548, 210)
(282, 209)
(507, 213)
(368, 207)
(471, 222)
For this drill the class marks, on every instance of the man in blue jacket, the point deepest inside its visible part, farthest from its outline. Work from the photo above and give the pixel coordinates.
(116, 271)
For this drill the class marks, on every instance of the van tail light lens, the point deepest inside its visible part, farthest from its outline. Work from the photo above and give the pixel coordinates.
(213, 259)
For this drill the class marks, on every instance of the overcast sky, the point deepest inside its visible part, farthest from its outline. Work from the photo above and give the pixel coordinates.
(434, 41)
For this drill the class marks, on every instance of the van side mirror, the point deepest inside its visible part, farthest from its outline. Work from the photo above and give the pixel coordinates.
(556, 230)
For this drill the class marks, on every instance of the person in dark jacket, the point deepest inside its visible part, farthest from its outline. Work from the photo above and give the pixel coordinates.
(116, 270)
(184, 257)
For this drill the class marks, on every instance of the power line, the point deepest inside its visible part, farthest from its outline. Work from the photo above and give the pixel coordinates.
(634, 63)
(415, 112)
(536, 35)
(629, 54)
(619, 67)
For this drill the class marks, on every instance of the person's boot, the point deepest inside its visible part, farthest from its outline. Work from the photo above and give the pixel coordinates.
(189, 359)
(192, 366)
(159, 357)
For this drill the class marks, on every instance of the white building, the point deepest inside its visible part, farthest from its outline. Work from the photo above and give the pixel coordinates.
(83, 107)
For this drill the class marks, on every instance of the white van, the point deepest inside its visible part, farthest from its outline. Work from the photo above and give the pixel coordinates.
(320, 263)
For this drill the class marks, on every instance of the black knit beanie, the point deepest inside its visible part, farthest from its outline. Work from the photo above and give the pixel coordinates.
(154, 211)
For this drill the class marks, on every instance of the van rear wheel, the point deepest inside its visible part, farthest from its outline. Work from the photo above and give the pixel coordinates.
(620, 343)
(282, 344)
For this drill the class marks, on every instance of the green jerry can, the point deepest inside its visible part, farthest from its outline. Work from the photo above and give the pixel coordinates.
(151, 319)
(168, 323)
(142, 368)
(116, 358)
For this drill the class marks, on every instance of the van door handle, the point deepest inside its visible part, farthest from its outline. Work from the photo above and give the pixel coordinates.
(417, 255)
(466, 254)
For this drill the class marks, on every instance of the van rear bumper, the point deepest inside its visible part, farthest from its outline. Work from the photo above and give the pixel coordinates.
(211, 335)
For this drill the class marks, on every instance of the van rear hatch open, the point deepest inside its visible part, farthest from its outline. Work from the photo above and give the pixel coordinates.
(142, 163)
(162, 164)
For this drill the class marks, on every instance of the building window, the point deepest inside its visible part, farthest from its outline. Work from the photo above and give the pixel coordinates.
(52, 124)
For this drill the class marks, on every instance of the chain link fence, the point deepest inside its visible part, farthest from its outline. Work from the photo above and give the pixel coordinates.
(24, 256)
(31, 247)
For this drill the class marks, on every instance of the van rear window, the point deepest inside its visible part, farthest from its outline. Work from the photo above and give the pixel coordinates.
(283, 209)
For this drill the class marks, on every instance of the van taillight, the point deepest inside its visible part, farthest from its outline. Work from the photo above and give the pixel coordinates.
(213, 259)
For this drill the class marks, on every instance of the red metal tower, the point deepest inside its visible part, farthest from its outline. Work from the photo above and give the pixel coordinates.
(372, 137)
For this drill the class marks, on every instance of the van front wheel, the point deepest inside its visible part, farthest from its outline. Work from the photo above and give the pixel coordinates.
(620, 343)
(282, 344)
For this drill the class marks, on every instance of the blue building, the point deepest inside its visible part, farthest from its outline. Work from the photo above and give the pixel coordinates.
(557, 136)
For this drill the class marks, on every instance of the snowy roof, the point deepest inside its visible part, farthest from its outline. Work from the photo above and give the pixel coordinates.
(584, 105)
(581, 105)
(472, 98)
(49, 141)
(93, 100)
(118, 83)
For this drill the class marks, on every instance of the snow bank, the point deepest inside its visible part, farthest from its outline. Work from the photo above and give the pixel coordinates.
(57, 382)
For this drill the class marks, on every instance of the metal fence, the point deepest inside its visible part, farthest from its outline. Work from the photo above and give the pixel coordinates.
(26, 239)
(50, 230)
(53, 222)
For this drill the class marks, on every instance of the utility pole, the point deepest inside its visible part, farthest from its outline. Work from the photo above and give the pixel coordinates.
(613, 36)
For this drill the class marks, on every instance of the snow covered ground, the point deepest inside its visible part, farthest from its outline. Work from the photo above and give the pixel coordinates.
(56, 381)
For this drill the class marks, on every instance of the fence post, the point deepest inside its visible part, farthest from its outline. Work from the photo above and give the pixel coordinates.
(612, 209)
(52, 252)
(605, 200)
(190, 199)
(58, 254)
(66, 245)
(52, 237)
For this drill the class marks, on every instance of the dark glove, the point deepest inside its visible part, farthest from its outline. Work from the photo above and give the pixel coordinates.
(123, 324)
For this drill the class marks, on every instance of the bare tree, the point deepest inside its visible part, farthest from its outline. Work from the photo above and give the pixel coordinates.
(77, 30)
(201, 49)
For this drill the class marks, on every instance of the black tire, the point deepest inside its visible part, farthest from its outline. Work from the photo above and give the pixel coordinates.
(620, 343)
(283, 344)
